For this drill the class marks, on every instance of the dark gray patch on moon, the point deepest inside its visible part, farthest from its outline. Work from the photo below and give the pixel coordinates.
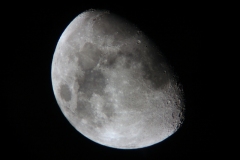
(108, 109)
(113, 58)
(65, 92)
(89, 56)
(92, 82)
(85, 111)
(82, 105)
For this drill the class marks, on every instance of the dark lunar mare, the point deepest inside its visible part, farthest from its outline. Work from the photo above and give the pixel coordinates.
(89, 56)
(92, 82)
(65, 92)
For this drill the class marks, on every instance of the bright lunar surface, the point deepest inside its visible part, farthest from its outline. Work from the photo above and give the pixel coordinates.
(113, 85)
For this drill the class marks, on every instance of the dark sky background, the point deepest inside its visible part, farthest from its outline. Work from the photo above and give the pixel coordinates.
(36, 127)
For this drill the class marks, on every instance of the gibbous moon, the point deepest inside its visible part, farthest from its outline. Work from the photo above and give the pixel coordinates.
(113, 85)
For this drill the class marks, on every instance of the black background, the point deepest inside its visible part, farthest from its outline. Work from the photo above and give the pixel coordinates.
(36, 127)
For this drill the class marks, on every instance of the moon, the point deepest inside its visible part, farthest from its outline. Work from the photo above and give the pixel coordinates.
(113, 84)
